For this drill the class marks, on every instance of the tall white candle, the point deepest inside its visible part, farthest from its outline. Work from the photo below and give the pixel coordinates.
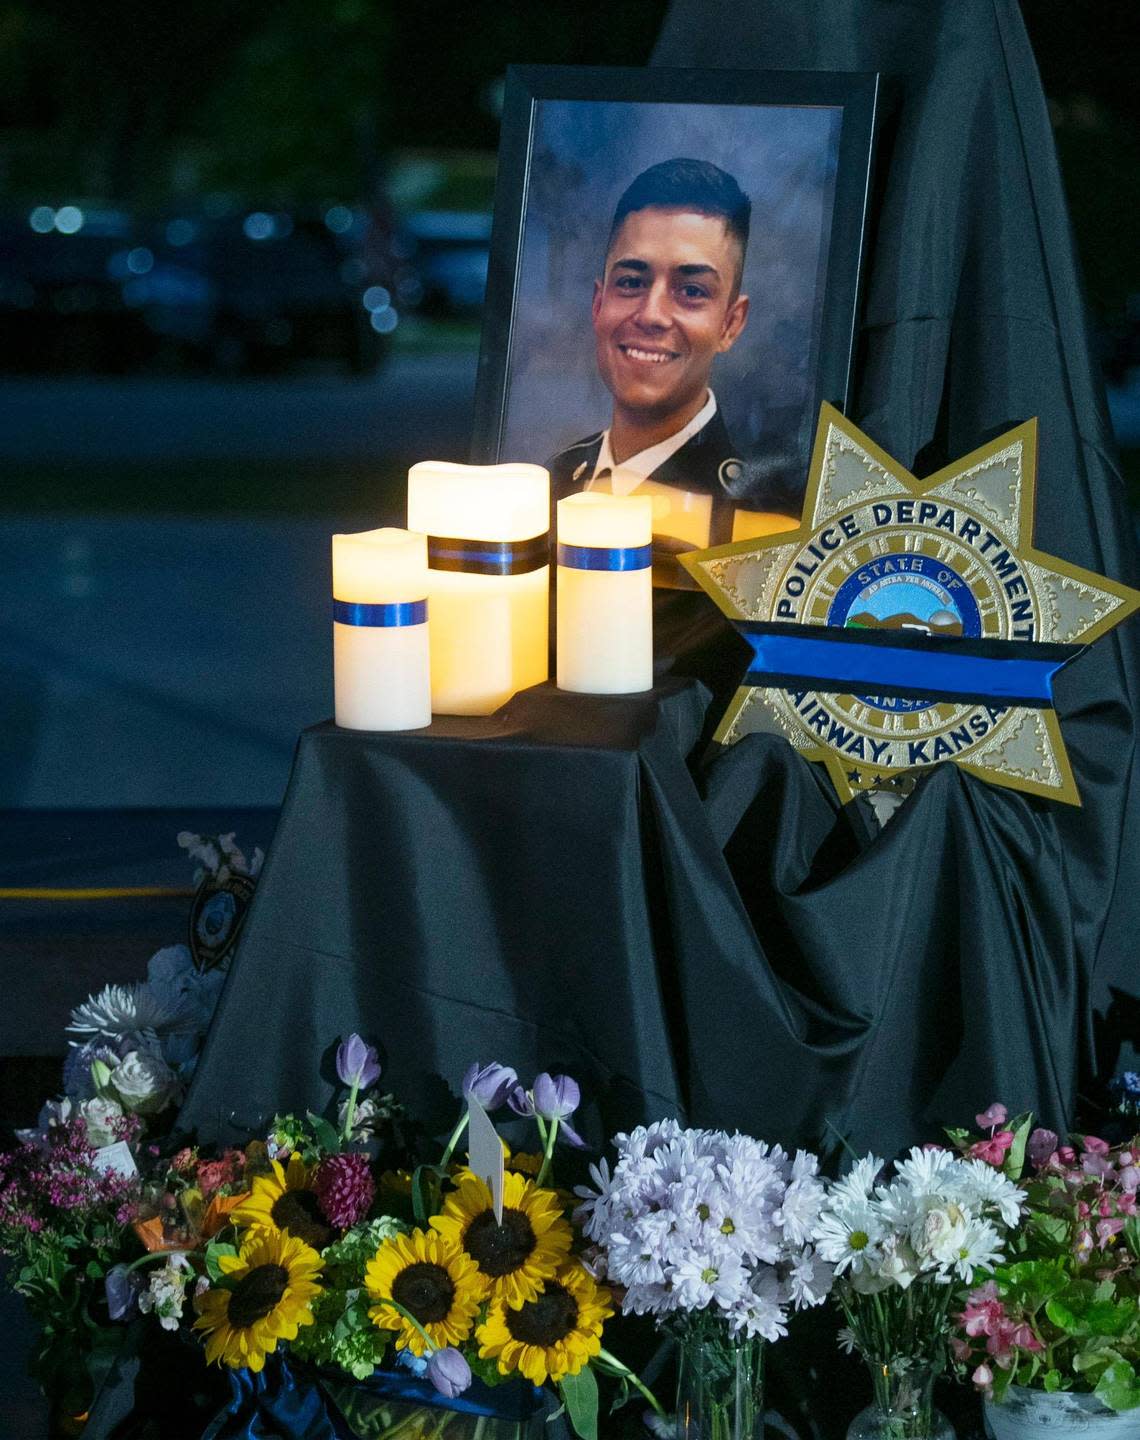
(489, 579)
(381, 666)
(605, 594)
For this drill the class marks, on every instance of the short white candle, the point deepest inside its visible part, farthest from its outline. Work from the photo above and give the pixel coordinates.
(605, 615)
(381, 665)
(489, 599)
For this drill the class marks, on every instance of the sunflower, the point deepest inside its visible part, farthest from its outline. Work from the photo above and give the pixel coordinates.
(554, 1334)
(433, 1280)
(516, 1257)
(522, 1164)
(276, 1284)
(285, 1200)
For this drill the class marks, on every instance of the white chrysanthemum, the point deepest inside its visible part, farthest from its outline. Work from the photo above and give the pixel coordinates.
(799, 1209)
(979, 1248)
(980, 1187)
(938, 1233)
(848, 1235)
(809, 1279)
(846, 1340)
(119, 1010)
(717, 1279)
(859, 1181)
(927, 1171)
(761, 1311)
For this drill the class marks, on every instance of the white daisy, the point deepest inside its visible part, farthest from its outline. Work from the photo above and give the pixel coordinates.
(848, 1235)
(926, 1171)
(980, 1187)
(979, 1248)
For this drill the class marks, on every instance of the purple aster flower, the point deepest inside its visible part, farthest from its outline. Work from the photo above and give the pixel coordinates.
(345, 1189)
(449, 1372)
(1041, 1145)
(489, 1084)
(357, 1063)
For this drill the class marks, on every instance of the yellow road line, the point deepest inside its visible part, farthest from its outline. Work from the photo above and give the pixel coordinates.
(94, 892)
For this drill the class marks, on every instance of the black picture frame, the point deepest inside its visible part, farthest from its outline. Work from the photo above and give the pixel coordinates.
(855, 95)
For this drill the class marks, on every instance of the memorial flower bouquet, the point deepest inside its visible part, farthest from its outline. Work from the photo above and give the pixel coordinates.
(1061, 1313)
(713, 1235)
(399, 1294)
(903, 1246)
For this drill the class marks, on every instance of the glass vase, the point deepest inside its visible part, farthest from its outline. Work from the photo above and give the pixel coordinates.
(903, 1407)
(720, 1389)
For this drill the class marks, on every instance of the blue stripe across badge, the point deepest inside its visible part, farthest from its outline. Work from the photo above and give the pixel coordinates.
(600, 557)
(403, 612)
(928, 667)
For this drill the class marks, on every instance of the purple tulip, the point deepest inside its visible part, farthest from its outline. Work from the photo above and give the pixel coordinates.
(449, 1372)
(489, 1084)
(556, 1096)
(520, 1101)
(1041, 1146)
(357, 1063)
(122, 1289)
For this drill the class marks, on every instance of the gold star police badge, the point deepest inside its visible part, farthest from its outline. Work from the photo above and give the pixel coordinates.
(905, 622)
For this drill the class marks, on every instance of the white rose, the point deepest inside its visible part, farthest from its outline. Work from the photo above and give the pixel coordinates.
(938, 1234)
(100, 1115)
(143, 1082)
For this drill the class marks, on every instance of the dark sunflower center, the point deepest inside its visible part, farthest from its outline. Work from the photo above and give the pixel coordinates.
(299, 1212)
(425, 1290)
(256, 1294)
(499, 1249)
(546, 1320)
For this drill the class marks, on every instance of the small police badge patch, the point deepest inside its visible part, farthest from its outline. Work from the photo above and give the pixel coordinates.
(216, 916)
(906, 622)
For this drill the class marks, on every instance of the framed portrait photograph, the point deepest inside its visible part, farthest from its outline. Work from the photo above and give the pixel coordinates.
(673, 287)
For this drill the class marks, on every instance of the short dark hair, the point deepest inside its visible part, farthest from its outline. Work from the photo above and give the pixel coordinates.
(688, 185)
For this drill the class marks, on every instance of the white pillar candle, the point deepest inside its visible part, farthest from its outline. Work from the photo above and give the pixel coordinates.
(381, 667)
(488, 577)
(605, 594)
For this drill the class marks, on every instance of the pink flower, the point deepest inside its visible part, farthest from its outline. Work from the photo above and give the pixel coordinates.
(960, 1348)
(1096, 1145)
(1023, 1337)
(984, 1313)
(1066, 1154)
(1042, 1146)
(993, 1150)
(992, 1116)
(983, 1377)
(1083, 1245)
(345, 1189)
(1107, 1230)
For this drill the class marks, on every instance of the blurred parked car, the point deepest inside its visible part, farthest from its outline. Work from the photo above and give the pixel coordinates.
(444, 255)
(253, 290)
(61, 305)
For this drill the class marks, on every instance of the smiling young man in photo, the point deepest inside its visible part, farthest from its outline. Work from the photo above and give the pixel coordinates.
(667, 303)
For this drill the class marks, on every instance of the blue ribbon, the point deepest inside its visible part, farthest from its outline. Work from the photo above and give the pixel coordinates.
(403, 612)
(600, 557)
(278, 1403)
(882, 662)
(274, 1403)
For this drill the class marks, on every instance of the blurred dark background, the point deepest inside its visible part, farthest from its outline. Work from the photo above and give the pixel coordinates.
(242, 258)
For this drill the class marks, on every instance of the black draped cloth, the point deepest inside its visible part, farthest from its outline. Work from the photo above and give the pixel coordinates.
(556, 885)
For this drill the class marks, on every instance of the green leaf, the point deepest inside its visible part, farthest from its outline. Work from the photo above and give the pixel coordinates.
(580, 1396)
(213, 1252)
(1064, 1317)
(1118, 1387)
(1053, 1381)
(1131, 1233)
(425, 1192)
(324, 1134)
(1015, 1155)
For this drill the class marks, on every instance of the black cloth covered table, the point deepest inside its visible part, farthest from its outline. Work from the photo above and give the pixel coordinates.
(555, 888)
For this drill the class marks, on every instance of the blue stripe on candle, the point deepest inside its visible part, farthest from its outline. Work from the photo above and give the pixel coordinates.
(403, 612)
(600, 557)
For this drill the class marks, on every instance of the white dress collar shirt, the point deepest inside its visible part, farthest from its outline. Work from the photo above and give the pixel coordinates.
(626, 477)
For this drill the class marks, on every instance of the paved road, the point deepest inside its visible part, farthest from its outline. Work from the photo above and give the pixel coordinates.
(417, 404)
